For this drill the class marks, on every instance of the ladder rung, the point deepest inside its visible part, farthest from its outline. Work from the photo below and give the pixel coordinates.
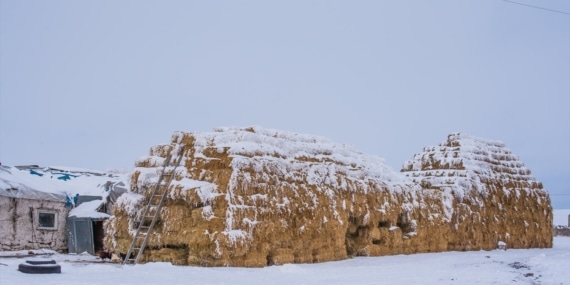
(161, 190)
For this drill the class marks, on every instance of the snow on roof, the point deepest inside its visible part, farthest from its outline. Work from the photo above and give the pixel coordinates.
(55, 183)
(88, 210)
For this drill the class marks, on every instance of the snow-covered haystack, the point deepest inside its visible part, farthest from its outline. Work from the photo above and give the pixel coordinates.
(256, 197)
(490, 195)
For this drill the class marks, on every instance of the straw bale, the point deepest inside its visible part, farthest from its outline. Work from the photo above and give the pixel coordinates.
(256, 197)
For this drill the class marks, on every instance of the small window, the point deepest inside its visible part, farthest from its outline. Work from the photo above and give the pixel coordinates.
(47, 220)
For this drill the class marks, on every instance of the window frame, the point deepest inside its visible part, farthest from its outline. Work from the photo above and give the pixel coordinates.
(50, 212)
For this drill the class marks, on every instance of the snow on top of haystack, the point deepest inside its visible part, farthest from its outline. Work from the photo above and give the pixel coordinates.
(313, 158)
(462, 158)
(464, 163)
(491, 158)
(54, 183)
(295, 159)
(293, 148)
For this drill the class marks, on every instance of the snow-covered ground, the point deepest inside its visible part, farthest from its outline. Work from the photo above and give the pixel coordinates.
(520, 266)
(513, 266)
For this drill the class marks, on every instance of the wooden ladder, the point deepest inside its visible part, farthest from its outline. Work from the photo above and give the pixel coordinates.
(146, 221)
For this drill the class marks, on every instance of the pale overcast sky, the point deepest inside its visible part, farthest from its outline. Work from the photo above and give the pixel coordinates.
(95, 84)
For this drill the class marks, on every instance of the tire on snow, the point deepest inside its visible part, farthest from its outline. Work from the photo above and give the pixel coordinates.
(36, 262)
(39, 268)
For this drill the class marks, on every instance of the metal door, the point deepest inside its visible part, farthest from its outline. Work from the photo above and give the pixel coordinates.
(80, 236)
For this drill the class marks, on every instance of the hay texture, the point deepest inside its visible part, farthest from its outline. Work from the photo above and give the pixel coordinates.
(490, 195)
(255, 197)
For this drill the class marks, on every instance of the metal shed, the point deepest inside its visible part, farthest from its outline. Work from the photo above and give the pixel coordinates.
(85, 233)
